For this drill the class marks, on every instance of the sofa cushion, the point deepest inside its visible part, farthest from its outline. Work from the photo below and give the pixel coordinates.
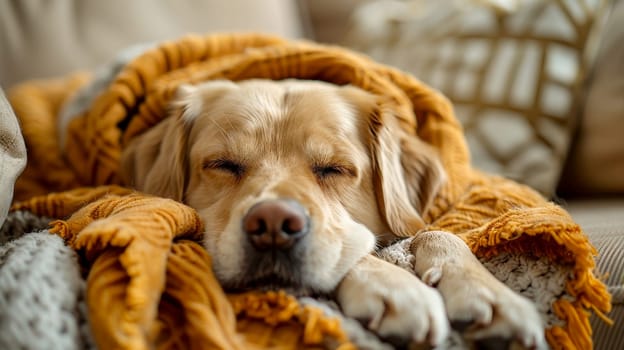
(603, 221)
(41, 38)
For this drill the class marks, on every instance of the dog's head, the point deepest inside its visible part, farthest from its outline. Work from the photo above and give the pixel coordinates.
(294, 179)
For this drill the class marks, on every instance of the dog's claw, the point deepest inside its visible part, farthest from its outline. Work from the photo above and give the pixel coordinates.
(375, 322)
(432, 276)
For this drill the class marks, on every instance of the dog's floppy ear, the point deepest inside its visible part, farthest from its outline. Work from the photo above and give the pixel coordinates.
(407, 172)
(156, 162)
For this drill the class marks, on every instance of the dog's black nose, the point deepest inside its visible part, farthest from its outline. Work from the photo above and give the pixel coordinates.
(276, 223)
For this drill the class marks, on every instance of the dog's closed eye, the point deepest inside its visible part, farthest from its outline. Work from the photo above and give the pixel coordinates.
(225, 165)
(323, 172)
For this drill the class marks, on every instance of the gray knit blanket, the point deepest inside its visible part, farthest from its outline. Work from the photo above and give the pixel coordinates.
(42, 302)
(42, 289)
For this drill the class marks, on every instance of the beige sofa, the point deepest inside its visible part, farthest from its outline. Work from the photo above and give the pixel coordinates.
(42, 39)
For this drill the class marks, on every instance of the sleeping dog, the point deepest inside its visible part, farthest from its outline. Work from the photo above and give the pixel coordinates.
(296, 187)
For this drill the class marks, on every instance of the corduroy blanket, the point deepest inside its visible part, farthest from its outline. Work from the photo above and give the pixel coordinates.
(149, 282)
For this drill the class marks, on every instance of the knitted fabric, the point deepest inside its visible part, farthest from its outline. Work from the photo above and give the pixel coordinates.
(536, 279)
(150, 284)
(19, 222)
(41, 294)
(491, 214)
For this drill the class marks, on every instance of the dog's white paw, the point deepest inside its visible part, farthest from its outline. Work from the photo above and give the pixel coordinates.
(486, 309)
(481, 307)
(393, 302)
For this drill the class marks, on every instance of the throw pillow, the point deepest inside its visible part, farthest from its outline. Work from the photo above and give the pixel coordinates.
(513, 70)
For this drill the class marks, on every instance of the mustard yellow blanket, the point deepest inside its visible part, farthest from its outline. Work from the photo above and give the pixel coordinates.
(149, 282)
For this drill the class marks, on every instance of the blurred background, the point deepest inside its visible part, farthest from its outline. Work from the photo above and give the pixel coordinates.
(537, 84)
(524, 75)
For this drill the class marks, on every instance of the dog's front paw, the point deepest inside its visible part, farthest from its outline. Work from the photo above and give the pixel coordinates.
(393, 303)
(480, 306)
(486, 310)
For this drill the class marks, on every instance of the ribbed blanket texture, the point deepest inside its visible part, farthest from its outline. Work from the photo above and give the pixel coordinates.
(150, 283)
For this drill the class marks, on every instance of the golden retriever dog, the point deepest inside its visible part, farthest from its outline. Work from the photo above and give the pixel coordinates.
(297, 183)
